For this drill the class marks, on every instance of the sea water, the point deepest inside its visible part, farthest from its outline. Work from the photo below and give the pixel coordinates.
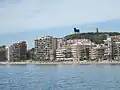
(59, 77)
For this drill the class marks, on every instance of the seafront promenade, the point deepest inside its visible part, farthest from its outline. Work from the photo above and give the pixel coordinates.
(67, 62)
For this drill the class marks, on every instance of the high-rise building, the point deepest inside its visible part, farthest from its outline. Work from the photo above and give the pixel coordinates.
(18, 51)
(61, 42)
(3, 53)
(63, 53)
(112, 47)
(30, 54)
(7, 53)
(92, 53)
(80, 49)
(117, 49)
(80, 52)
(97, 52)
(45, 48)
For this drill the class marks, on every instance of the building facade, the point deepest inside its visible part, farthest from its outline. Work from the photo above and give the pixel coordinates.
(64, 53)
(80, 52)
(112, 47)
(30, 54)
(81, 49)
(3, 53)
(18, 51)
(45, 48)
(97, 53)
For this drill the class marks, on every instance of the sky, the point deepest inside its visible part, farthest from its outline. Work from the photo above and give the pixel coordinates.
(26, 15)
(28, 19)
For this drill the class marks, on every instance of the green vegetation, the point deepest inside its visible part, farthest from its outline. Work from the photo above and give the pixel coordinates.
(96, 37)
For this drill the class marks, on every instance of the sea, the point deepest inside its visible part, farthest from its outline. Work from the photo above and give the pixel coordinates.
(59, 77)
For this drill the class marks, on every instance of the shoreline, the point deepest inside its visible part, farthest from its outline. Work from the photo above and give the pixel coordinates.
(64, 63)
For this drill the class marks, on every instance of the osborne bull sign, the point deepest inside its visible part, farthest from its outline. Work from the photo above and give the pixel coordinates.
(76, 30)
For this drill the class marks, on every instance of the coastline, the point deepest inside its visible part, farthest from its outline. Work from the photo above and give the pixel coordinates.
(64, 63)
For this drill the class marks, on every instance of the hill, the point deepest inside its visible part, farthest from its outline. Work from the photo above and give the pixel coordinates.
(96, 37)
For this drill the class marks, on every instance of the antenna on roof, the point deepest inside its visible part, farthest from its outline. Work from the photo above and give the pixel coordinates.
(97, 30)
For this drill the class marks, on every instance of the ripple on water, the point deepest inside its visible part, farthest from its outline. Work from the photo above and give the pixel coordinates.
(55, 77)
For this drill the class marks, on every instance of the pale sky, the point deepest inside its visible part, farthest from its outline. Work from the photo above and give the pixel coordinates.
(23, 15)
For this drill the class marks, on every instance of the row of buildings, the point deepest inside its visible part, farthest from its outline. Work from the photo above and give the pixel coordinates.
(14, 52)
(48, 48)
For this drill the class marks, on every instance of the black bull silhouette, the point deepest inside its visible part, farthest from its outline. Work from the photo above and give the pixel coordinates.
(76, 30)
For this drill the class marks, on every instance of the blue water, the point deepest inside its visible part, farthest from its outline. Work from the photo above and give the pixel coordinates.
(59, 77)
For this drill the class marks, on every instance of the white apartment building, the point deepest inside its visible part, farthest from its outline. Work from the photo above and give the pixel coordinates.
(60, 54)
(74, 41)
(112, 47)
(80, 50)
(117, 51)
(93, 53)
(97, 52)
(63, 53)
(45, 48)
(61, 42)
